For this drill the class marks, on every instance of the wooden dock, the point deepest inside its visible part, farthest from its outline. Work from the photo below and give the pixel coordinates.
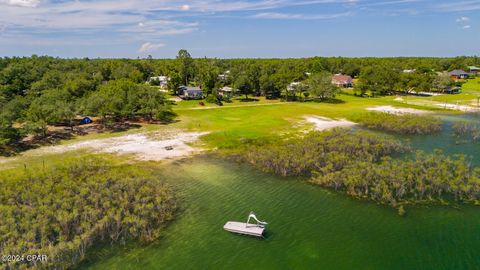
(244, 228)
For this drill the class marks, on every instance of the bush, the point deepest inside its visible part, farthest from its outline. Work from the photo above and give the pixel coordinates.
(320, 151)
(402, 124)
(62, 212)
(211, 99)
(426, 177)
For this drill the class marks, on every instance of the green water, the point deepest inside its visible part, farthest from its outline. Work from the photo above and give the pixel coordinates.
(309, 227)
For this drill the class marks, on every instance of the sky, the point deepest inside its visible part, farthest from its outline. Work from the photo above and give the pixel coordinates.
(239, 28)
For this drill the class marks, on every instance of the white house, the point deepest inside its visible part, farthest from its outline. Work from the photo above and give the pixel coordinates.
(225, 91)
(224, 76)
(295, 86)
(161, 81)
(190, 92)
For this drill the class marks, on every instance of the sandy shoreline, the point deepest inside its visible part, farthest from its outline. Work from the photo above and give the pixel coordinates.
(394, 110)
(143, 146)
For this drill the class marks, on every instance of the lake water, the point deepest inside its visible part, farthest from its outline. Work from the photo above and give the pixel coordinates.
(309, 227)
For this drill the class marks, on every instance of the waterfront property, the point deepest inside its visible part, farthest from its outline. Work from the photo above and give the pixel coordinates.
(342, 81)
(161, 81)
(458, 74)
(226, 91)
(190, 92)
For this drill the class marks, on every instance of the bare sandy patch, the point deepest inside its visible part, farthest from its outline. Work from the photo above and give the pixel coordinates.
(394, 110)
(323, 123)
(463, 108)
(154, 146)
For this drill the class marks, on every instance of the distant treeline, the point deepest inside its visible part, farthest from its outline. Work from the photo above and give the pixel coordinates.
(63, 211)
(360, 163)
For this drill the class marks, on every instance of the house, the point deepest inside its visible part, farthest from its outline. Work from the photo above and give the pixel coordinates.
(161, 81)
(474, 70)
(458, 74)
(296, 86)
(225, 91)
(190, 92)
(224, 76)
(343, 81)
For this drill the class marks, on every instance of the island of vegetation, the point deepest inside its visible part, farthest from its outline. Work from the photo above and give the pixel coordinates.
(360, 164)
(63, 211)
(403, 124)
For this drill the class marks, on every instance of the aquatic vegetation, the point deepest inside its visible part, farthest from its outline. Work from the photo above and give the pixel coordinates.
(467, 130)
(426, 177)
(61, 212)
(320, 151)
(402, 124)
(360, 164)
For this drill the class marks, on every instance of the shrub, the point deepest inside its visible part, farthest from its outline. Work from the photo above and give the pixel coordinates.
(62, 212)
(402, 124)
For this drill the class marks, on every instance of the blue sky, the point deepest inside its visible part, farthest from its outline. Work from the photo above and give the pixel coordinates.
(239, 28)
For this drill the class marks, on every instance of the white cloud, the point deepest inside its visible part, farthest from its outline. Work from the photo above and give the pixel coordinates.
(464, 22)
(289, 16)
(149, 47)
(21, 3)
(463, 19)
(455, 6)
(185, 7)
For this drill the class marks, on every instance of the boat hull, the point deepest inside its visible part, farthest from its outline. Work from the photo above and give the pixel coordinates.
(244, 228)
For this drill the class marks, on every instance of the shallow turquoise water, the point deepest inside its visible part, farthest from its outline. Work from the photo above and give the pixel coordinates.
(309, 228)
(447, 142)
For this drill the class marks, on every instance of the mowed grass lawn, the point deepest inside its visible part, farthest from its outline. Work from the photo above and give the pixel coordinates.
(230, 126)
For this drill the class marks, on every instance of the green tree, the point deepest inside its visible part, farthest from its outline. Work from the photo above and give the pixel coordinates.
(378, 80)
(242, 83)
(442, 81)
(320, 86)
(185, 62)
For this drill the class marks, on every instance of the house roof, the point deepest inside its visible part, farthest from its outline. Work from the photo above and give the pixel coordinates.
(226, 89)
(457, 72)
(160, 78)
(341, 78)
(192, 88)
(474, 68)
